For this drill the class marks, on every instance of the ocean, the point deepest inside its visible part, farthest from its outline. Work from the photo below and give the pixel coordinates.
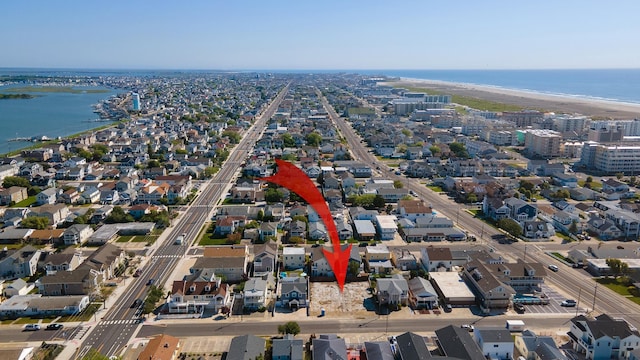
(50, 114)
(63, 114)
(603, 84)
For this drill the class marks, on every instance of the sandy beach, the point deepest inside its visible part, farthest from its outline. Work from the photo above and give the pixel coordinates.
(531, 100)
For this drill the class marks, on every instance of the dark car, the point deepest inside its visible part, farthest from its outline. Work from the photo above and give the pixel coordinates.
(448, 308)
(136, 303)
(151, 281)
(519, 307)
(54, 326)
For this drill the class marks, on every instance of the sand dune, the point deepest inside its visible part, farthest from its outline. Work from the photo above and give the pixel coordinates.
(532, 100)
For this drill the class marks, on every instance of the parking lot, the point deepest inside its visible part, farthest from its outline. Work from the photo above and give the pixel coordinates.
(555, 298)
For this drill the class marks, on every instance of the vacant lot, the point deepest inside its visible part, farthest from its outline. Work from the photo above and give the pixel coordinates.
(351, 301)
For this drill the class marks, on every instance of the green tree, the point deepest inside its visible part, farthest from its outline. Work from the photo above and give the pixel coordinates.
(10, 181)
(94, 354)
(397, 184)
(510, 226)
(472, 198)
(290, 327)
(434, 150)
(35, 222)
(288, 140)
(118, 215)
(526, 185)
(632, 180)
(619, 175)
(233, 136)
(354, 268)
(378, 202)
(458, 149)
(589, 179)
(153, 164)
(313, 139)
(618, 267)
(406, 132)
(573, 228)
(273, 196)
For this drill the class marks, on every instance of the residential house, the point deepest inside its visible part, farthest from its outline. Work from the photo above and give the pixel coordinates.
(457, 343)
(13, 195)
(47, 196)
(265, 257)
(414, 209)
(604, 229)
(490, 292)
(603, 337)
(77, 234)
(228, 262)
(83, 280)
(317, 231)
(197, 296)
(161, 347)
(345, 231)
(67, 260)
(293, 258)
(411, 346)
(386, 226)
(378, 259)
(422, 295)
(365, 230)
(520, 210)
(534, 347)
(287, 348)
(404, 260)
(329, 346)
(494, 343)
(268, 230)
(378, 350)
(19, 263)
(538, 230)
(565, 180)
(294, 292)
(393, 291)
(17, 287)
(36, 305)
(297, 228)
(228, 225)
(436, 258)
(246, 347)
(255, 294)
(56, 213)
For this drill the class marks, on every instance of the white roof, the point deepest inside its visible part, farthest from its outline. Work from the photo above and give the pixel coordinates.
(452, 285)
(293, 251)
(387, 221)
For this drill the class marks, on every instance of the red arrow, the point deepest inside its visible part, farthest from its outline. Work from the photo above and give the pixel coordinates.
(294, 179)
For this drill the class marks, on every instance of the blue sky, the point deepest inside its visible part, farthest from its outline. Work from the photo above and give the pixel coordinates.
(327, 34)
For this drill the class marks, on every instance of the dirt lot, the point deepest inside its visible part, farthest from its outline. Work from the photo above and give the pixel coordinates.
(351, 301)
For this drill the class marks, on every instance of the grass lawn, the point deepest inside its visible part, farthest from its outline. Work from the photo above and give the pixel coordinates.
(563, 236)
(435, 188)
(26, 202)
(475, 212)
(560, 256)
(125, 238)
(143, 238)
(7, 322)
(26, 320)
(595, 186)
(629, 292)
(84, 316)
(208, 240)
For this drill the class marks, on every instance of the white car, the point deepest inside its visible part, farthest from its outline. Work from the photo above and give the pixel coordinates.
(553, 268)
(568, 303)
(468, 327)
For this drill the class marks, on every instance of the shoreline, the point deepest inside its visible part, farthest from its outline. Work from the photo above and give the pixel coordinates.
(598, 108)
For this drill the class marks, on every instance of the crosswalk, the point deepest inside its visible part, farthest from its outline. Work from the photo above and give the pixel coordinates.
(121, 322)
(167, 256)
(80, 333)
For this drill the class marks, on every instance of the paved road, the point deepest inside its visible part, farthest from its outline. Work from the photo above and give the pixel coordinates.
(575, 284)
(116, 328)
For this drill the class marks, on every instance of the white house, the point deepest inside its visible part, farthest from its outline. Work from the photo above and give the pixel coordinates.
(293, 258)
(603, 337)
(386, 226)
(494, 343)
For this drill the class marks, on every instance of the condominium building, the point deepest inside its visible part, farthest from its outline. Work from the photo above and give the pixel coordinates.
(570, 123)
(523, 118)
(543, 143)
(611, 159)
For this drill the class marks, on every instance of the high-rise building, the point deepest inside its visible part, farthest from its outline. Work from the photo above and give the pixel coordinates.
(611, 159)
(542, 143)
(135, 101)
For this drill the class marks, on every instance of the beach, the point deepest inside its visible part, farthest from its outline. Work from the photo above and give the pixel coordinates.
(596, 108)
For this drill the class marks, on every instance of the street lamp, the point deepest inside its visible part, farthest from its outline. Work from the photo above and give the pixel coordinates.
(595, 291)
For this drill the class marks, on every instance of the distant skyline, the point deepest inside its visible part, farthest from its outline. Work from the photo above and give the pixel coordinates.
(320, 35)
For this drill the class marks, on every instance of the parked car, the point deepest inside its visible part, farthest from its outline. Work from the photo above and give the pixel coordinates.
(32, 327)
(568, 303)
(553, 268)
(519, 307)
(54, 326)
(448, 308)
(468, 327)
(136, 303)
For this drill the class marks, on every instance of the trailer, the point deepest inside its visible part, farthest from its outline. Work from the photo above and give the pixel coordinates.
(515, 325)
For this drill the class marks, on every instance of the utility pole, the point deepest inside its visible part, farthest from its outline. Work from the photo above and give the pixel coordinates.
(578, 304)
(595, 291)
